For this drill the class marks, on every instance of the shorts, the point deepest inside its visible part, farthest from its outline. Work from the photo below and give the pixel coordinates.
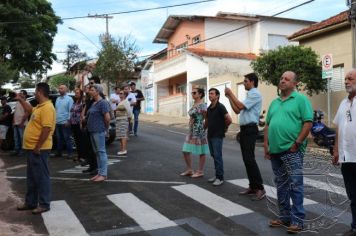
(3, 131)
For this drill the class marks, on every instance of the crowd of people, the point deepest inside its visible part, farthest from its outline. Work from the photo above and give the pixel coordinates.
(288, 123)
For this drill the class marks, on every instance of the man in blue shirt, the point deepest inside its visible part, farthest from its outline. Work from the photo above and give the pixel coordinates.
(63, 132)
(249, 111)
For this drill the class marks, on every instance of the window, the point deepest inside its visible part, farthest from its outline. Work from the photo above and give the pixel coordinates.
(182, 88)
(180, 47)
(274, 41)
(196, 39)
(337, 82)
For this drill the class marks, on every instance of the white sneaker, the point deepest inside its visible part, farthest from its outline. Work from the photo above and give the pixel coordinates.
(212, 179)
(122, 153)
(218, 182)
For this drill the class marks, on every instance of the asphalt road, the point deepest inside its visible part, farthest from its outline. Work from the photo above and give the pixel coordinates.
(145, 195)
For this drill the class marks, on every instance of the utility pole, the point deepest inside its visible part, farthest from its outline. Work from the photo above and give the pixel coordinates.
(106, 17)
(352, 18)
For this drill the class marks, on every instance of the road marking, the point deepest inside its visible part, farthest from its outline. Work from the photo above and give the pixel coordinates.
(16, 167)
(108, 180)
(175, 132)
(325, 186)
(146, 217)
(61, 220)
(79, 169)
(221, 205)
(339, 176)
(270, 191)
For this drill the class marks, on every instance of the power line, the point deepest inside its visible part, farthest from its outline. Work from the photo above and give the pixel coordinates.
(242, 27)
(116, 13)
(139, 10)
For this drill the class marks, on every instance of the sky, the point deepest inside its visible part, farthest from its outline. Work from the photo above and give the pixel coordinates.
(144, 26)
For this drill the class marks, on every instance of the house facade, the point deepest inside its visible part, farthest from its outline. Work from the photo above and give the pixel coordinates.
(206, 52)
(332, 35)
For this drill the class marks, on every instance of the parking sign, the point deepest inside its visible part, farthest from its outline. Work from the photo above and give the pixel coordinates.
(327, 63)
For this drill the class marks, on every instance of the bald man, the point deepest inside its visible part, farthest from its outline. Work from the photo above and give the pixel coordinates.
(345, 143)
(63, 132)
(288, 122)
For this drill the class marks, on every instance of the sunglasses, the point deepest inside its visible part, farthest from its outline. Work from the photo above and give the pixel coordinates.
(193, 93)
(348, 116)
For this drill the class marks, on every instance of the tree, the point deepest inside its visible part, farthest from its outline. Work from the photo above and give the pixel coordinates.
(7, 74)
(116, 62)
(67, 80)
(26, 82)
(27, 30)
(74, 55)
(303, 61)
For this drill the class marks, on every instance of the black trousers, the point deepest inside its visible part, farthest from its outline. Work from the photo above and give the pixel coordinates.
(88, 151)
(348, 171)
(248, 136)
(78, 138)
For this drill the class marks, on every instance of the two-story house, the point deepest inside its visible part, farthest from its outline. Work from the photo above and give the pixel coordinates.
(212, 51)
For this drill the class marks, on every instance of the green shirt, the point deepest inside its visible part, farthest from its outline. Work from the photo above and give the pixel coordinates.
(285, 120)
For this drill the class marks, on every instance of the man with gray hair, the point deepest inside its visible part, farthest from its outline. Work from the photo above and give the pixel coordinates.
(288, 122)
(345, 143)
(63, 132)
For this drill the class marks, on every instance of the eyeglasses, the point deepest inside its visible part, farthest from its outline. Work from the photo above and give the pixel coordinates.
(193, 93)
(348, 116)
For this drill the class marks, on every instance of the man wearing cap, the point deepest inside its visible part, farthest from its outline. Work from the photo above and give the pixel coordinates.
(5, 119)
(137, 107)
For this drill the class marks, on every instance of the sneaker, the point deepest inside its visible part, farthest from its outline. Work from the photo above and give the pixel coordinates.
(122, 153)
(212, 179)
(218, 182)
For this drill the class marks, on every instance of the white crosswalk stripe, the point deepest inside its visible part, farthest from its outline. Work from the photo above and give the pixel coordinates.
(147, 217)
(221, 205)
(61, 220)
(325, 186)
(270, 191)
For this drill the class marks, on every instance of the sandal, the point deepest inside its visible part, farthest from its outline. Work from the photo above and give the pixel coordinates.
(198, 174)
(187, 173)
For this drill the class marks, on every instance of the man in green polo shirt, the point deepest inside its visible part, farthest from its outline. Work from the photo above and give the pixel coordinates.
(289, 120)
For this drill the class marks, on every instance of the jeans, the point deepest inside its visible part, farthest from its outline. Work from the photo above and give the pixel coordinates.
(248, 136)
(38, 180)
(98, 142)
(288, 171)
(63, 133)
(78, 138)
(215, 147)
(136, 113)
(348, 171)
(18, 136)
(88, 151)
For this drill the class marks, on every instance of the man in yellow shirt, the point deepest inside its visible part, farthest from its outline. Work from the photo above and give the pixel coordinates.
(37, 142)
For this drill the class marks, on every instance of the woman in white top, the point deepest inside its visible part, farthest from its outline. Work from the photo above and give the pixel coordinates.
(123, 117)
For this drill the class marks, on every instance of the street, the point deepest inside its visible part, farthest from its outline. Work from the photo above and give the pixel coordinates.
(145, 195)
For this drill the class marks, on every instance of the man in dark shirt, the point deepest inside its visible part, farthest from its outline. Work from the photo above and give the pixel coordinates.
(217, 122)
(137, 107)
(5, 119)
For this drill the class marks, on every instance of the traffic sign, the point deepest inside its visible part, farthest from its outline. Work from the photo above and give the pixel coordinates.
(327, 66)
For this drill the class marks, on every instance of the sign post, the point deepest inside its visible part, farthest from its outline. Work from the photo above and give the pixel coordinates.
(327, 73)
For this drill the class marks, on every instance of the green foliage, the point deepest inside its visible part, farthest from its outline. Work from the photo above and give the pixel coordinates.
(27, 30)
(67, 80)
(26, 82)
(7, 74)
(116, 62)
(74, 55)
(303, 61)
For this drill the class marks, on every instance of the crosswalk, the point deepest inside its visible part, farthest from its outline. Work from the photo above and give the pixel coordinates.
(149, 219)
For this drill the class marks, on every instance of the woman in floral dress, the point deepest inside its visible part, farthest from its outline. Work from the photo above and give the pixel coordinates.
(196, 141)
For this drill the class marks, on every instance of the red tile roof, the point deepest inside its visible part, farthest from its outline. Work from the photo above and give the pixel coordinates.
(237, 55)
(339, 18)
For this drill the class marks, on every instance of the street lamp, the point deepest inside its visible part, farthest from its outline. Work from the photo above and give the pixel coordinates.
(71, 28)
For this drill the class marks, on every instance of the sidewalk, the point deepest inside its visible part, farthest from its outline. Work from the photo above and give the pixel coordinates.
(181, 122)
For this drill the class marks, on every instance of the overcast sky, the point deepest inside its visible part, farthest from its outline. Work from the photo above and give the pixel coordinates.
(143, 26)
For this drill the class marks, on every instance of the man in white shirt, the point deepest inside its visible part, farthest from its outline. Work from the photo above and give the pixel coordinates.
(345, 143)
(131, 98)
(115, 98)
(19, 122)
